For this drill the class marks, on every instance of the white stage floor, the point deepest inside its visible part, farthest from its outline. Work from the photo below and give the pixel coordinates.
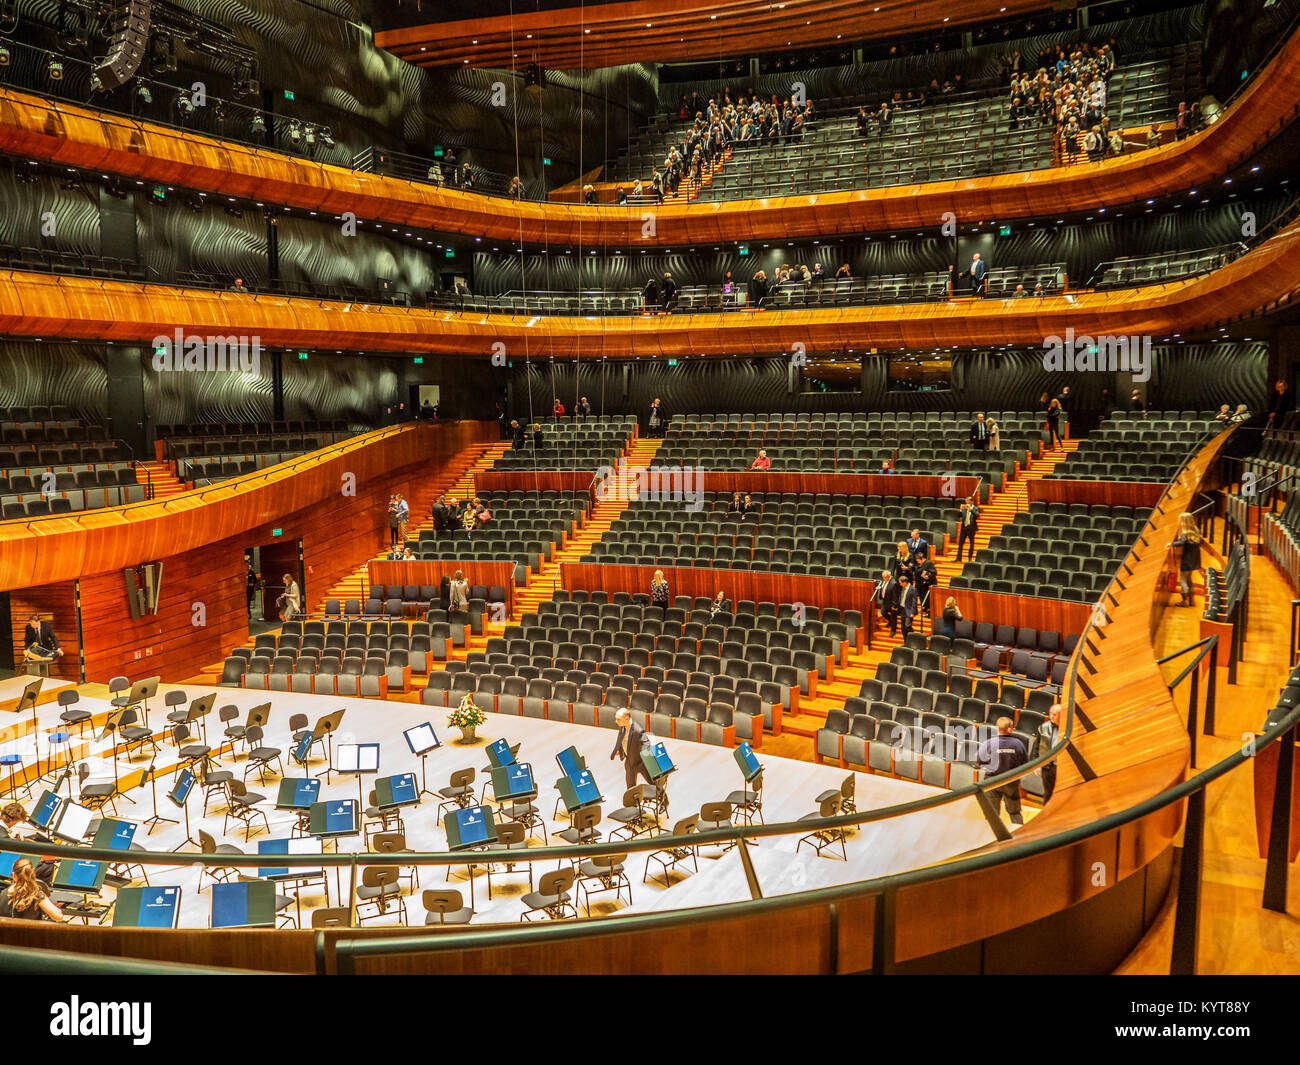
(705, 774)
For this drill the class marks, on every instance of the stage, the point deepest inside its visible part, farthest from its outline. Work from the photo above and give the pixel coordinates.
(705, 774)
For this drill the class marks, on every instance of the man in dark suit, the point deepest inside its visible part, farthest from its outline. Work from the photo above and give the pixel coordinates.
(917, 543)
(631, 738)
(887, 594)
(907, 604)
(440, 515)
(968, 524)
(518, 435)
(925, 576)
(979, 434)
(41, 646)
(668, 292)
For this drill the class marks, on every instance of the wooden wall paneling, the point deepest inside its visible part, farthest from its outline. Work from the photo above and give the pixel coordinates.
(44, 550)
(55, 603)
(202, 614)
(1052, 615)
(41, 129)
(1103, 493)
(737, 584)
(534, 480)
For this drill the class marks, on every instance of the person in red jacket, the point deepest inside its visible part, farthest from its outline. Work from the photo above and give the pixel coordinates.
(762, 462)
(557, 410)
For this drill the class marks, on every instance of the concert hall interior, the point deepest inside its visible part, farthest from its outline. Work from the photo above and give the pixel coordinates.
(866, 429)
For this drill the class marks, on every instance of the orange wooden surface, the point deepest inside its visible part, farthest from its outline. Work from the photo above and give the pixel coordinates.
(46, 550)
(1104, 493)
(598, 35)
(737, 584)
(534, 480)
(1264, 767)
(43, 305)
(39, 129)
(1052, 615)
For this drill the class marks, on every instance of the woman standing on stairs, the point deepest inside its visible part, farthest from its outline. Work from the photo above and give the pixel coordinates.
(1054, 423)
(1190, 542)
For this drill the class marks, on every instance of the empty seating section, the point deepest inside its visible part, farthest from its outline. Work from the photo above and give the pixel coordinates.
(571, 445)
(208, 453)
(526, 528)
(683, 672)
(1277, 461)
(1167, 266)
(924, 287)
(51, 463)
(1055, 551)
(930, 443)
(958, 135)
(853, 537)
(358, 655)
(1131, 446)
(928, 709)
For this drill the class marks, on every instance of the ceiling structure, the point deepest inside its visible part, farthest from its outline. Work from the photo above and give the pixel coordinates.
(637, 31)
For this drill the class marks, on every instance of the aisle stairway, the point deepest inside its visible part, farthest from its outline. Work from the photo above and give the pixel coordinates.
(998, 512)
(162, 477)
(689, 190)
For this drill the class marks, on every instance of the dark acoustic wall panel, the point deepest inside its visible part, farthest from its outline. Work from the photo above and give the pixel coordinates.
(1191, 378)
(39, 211)
(1206, 375)
(46, 374)
(317, 252)
(353, 387)
(326, 54)
(172, 398)
(1080, 247)
(174, 237)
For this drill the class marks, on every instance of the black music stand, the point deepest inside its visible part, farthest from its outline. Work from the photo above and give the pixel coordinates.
(141, 692)
(180, 796)
(331, 722)
(423, 741)
(151, 775)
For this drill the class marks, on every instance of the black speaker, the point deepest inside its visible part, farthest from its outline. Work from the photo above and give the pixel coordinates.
(126, 44)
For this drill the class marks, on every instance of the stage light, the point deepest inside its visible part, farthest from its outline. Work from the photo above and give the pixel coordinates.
(4, 56)
(55, 70)
(257, 124)
(295, 131)
(142, 91)
(327, 136)
(184, 104)
(309, 137)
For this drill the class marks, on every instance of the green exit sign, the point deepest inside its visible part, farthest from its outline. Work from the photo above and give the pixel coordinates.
(437, 152)
(672, 362)
(743, 249)
(546, 161)
(302, 355)
(1004, 231)
(419, 359)
(288, 94)
(450, 253)
(277, 532)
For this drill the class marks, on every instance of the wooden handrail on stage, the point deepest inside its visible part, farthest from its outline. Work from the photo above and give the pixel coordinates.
(39, 551)
(58, 132)
(33, 304)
